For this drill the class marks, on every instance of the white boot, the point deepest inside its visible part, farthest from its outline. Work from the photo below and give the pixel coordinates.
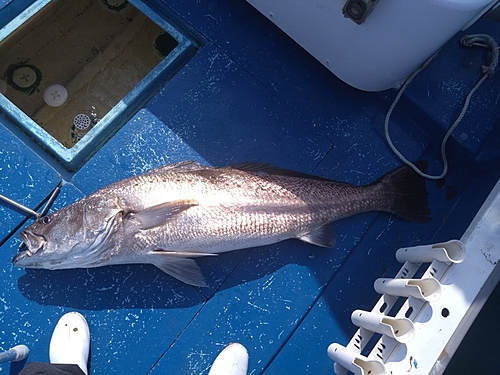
(233, 360)
(70, 342)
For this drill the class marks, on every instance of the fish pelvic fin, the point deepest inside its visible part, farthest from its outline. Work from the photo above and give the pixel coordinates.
(408, 193)
(323, 236)
(158, 215)
(183, 269)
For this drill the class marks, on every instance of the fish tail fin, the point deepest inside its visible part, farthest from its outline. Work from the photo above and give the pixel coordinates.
(407, 193)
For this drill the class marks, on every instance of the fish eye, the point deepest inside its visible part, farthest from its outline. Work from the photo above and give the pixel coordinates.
(44, 220)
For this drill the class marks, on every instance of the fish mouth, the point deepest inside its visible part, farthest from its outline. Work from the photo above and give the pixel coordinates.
(19, 259)
(33, 242)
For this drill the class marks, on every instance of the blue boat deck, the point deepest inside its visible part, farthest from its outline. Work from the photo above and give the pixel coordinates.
(250, 94)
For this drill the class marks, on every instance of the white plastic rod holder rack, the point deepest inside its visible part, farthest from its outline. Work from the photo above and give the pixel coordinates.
(356, 363)
(417, 292)
(440, 324)
(400, 329)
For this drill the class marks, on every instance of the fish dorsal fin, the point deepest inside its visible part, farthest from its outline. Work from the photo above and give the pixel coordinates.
(322, 236)
(183, 166)
(158, 215)
(183, 269)
(263, 168)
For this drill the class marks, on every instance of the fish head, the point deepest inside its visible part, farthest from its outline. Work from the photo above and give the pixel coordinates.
(72, 237)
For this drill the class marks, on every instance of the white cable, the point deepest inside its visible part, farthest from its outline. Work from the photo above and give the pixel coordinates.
(481, 40)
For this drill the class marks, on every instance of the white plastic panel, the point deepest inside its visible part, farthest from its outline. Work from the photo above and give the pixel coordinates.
(396, 38)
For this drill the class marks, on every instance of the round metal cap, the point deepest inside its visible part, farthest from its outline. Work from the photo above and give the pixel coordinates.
(82, 121)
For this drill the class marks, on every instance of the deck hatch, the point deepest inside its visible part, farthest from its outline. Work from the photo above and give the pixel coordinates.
(74, 72)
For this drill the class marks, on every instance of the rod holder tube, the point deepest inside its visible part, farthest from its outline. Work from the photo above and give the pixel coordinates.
(428, 289)
(400, 329)
(448, 252)
(354, 362)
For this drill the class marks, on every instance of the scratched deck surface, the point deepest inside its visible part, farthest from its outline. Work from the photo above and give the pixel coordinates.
(250, 94)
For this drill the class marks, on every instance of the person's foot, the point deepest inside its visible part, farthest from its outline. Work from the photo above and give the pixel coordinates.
(70, 342)
(233, 360)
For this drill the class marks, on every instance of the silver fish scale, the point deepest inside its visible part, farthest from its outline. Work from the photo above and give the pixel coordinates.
(235, 209)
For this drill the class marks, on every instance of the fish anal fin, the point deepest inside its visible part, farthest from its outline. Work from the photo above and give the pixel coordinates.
(158, 215)
(322, 236)
(183, 269)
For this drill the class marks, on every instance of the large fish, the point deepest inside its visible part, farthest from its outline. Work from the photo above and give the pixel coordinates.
(181, 211)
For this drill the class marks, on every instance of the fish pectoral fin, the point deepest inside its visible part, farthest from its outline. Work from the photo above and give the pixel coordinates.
(158, 215)
(183, 269)
(322, 236)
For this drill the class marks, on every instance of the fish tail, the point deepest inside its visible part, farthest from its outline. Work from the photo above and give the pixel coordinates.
(407, 193)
